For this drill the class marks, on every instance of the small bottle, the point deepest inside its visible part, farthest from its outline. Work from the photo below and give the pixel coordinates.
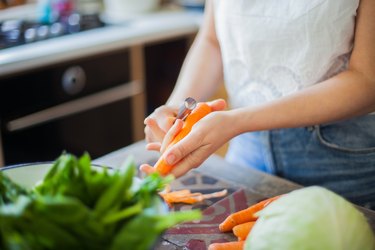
(45, 13)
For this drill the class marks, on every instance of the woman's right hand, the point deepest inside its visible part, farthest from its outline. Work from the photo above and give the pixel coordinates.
(205, 137)
(158, 124)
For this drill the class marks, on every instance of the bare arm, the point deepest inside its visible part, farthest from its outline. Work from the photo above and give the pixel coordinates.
(201, 73)
(200, 76)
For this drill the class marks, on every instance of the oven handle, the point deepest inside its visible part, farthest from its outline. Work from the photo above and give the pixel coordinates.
(118, 93)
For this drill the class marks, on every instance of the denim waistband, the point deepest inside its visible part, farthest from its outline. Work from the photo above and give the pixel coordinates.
(339, 156)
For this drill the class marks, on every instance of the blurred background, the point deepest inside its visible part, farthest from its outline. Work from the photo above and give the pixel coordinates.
(81, 75)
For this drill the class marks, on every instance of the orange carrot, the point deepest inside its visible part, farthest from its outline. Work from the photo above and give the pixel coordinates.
(233, 245)
(243, 230)
(198, 113)
(245, 215)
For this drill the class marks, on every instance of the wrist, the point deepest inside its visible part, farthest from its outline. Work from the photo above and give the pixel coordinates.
(241, 120)
(234, 122)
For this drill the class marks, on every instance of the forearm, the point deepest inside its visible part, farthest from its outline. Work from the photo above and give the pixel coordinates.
(202, 71)
(344, 96)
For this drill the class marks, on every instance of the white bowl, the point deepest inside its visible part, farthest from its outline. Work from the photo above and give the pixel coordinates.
(29, 174)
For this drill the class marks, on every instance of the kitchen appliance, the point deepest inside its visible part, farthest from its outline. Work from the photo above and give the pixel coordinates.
(15, 32)
(186, 108)
(75, 106)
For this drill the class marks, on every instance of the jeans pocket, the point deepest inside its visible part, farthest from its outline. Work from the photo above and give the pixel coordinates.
(355, 136)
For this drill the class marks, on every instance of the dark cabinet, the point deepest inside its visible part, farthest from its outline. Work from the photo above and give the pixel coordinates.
(81, 105)
(163, 64)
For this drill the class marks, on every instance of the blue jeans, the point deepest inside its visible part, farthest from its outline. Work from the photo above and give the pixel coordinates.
(338, 156)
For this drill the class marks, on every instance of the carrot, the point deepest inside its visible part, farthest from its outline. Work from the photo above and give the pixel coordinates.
(198, 113)
(245, 215)
(233, 245)
(243, 230)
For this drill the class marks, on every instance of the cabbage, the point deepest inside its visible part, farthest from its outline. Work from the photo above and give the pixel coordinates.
(311, 218)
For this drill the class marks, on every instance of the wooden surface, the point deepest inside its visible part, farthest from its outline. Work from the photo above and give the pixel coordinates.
(251, 184)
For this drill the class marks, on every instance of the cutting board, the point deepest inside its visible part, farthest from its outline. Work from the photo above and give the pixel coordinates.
(198, 235)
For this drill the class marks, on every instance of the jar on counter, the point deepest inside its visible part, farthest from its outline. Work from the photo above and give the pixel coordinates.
(117, 10)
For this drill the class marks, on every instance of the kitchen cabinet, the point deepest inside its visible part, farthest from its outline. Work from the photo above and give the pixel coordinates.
(163, 62)
(80, 105)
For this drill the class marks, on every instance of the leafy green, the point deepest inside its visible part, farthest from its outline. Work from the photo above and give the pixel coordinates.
(78, 206)
(9, 191)
(311, 218)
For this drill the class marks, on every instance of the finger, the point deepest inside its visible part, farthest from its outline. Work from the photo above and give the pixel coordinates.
(156, 131)
(165, 116)
(147, 169)
(193, 160)
(180, 150)
(148, 134)
(218, 104)
(154, 146)
(170, 121)
(171, 134)
(146, 120)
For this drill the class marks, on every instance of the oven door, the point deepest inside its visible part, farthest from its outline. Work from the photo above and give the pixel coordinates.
(92, 104)
(96, 124)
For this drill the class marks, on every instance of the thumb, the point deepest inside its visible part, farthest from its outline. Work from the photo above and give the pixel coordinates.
(218, 104)
(180, 150)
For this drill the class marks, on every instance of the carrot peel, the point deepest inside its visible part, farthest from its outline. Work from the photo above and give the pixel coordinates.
(187, 197)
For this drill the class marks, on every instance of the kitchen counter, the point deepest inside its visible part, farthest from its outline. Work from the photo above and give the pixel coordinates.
(245, 186)
(153, 27)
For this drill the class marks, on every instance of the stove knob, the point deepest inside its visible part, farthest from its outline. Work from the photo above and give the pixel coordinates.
(30, 35)
(74, 23)
(74, 80)
(56, 29)
(42, 32)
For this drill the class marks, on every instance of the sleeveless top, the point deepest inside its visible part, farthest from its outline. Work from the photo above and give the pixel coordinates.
(272, 48)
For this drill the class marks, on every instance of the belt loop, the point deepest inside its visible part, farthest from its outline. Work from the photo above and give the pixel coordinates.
(311, 128)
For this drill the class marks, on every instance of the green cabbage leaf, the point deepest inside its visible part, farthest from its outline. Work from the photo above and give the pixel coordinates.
(308, 219)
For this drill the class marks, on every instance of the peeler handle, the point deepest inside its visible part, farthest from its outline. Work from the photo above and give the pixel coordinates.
(186, 108)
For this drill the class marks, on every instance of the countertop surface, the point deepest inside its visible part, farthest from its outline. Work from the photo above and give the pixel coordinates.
(246, 186)
(147, 28)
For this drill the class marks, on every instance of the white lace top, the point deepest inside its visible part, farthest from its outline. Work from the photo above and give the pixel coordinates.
(272, 48)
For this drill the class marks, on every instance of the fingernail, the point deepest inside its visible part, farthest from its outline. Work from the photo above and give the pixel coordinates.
(171, 159)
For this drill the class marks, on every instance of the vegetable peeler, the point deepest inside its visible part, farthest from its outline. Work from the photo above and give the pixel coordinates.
(186, 108)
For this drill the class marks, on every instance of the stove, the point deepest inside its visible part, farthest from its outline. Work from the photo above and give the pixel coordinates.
(18, 32)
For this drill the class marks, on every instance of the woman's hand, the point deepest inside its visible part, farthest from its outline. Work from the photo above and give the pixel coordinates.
(206, 136)
(158, 124)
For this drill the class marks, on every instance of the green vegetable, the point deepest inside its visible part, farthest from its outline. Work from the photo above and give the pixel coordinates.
(311, 218)
(9, 191)
(78, 206)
